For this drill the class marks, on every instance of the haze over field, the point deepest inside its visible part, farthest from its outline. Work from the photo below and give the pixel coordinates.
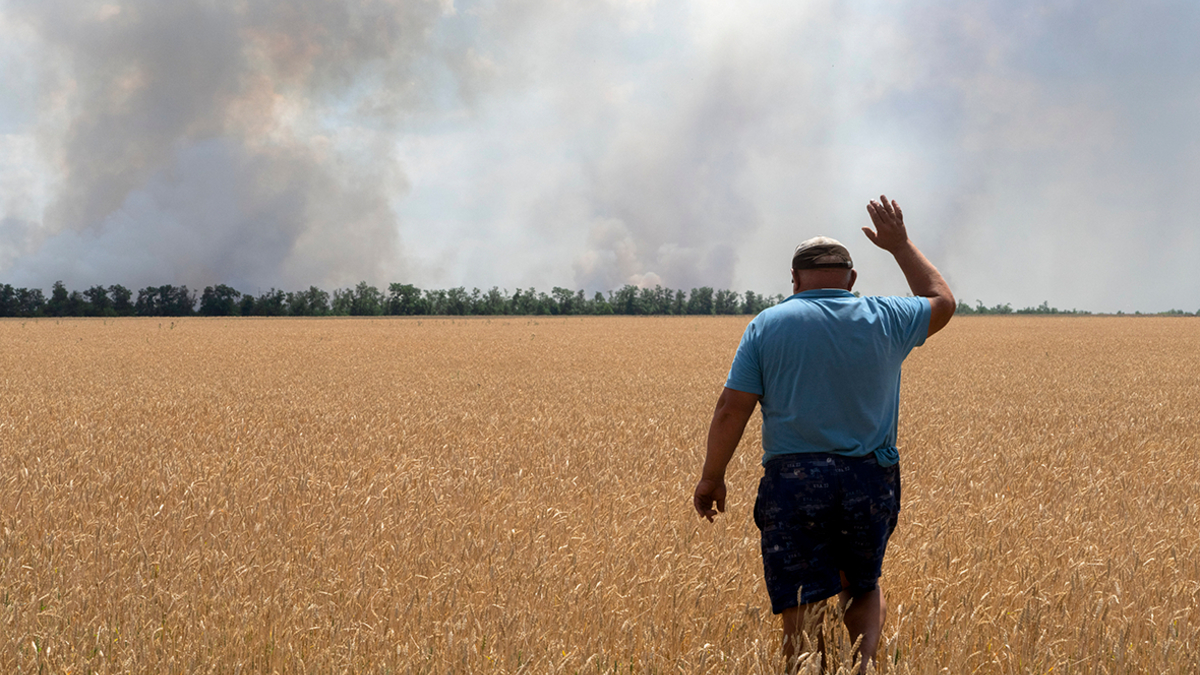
(1041, 151)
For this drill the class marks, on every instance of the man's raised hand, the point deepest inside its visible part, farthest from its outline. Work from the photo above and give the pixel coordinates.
(889, 233)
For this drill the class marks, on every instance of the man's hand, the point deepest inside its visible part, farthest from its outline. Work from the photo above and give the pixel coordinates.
(889, 233)
(923, 278)
(707, 492)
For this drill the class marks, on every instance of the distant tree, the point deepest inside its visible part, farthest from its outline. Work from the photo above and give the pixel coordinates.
(405, 300)
(343, 300)
(657, 300)
(457, 302)
(313, 302)
(246, 306)
(494, 302)
(165, 301)
(219, 300)
(30, 302)
(599, 305)
(626, 301)
(98, 301)
(753, 303)
(679, 303)
(726, 302)
(647, 301)
(435, 301)
(664, 300)
(8, 300)
(60, 300)
(271, 303)
(147, 302)
(1043, 308)
(564, 301)
(700, 301)
(77, 305)
(521, 303)
(366, 300)
(122, 300)
(178, 300)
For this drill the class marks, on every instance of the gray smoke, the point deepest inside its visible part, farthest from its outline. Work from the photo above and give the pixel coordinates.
(666, 202)
(1041, 151)
(205, 142)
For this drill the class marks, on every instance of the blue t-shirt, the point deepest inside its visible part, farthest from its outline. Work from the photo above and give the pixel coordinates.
(827, 366)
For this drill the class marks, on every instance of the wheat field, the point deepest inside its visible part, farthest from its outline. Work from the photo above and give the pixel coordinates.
(513, 495)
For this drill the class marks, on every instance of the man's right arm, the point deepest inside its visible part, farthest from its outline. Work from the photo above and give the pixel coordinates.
(923, 278)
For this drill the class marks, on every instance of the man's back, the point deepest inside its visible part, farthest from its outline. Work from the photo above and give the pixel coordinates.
(827, 366)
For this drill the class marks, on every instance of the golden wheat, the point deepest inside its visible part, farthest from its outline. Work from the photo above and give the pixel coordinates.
(513, 495)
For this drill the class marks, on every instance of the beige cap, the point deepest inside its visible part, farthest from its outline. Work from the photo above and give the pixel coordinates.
(821, 253)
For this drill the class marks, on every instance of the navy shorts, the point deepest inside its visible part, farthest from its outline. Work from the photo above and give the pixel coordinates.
(821, 514)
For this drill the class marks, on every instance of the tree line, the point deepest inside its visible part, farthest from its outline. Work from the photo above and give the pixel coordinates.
(1045, 308)
(408, 300)
(1006, 308)
(367, 300)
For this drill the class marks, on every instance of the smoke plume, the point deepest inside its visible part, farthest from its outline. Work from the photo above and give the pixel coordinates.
(1041, 151)
(203, 142)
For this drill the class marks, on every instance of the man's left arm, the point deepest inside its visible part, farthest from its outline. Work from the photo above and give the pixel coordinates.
(734, 409)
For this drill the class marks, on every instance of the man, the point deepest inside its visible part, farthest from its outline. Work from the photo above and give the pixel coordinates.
(826, 367)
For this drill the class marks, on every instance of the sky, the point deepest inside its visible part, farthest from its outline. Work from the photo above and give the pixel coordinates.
(1041, 152)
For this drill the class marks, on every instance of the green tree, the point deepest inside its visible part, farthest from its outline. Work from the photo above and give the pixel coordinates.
(122, 300)
(753, 303)
(626, 300)
(366, 300)
(77, 305)
(271, 303)
(8, 300)
(564, 301)
(726, 302)
(679, 303)
(600, 306)
(165, 301)
(495, 302)
(30, 302)
(457, 302)
(99, 302)
(60, 300)
(147, 302)
(435, 301)
(219, 300)
(405, 300)
(313, 302)
(700, 301)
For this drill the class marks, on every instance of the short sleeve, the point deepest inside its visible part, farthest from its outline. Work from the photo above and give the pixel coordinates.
(910, 321)
(746, 372)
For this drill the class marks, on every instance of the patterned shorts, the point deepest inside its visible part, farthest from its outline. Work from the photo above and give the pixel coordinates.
(821, 514)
